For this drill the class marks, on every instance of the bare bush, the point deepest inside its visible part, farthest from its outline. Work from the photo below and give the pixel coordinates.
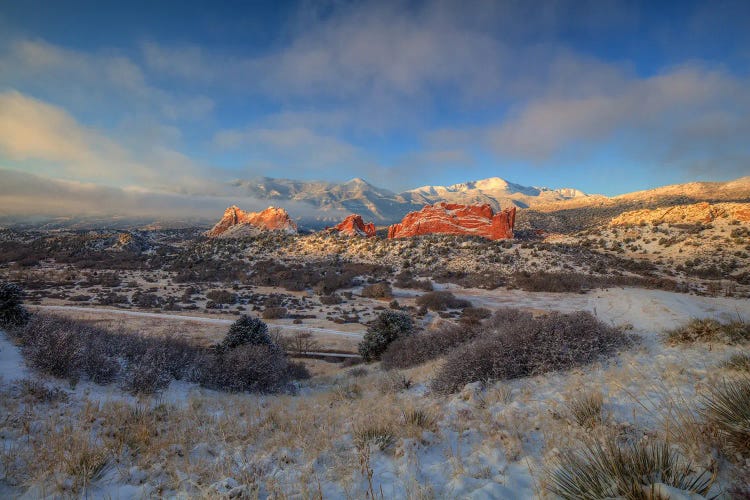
(377, 291)
(221, 297)
(424, 346)
(248, 367)
(72, 349)
(513, 345)
(274, 313)
(440, 301)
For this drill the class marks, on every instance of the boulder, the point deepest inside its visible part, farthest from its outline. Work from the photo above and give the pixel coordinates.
(235, 221)
(449, 218)
(353, 225)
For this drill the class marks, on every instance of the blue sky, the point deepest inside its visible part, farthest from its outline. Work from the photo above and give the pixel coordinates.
(176, 99)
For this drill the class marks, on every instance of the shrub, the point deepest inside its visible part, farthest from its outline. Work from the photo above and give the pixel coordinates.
(473, 315)
(633, 470)
(440, 301)
(274, 313)
(377, 291)
(330, 300)
(71, 349)
(246, 330)
(726, 408)
(12, 312)
(247, 367)
(147, 374)
(421, 347)
(221, 297)
(386, 328)
(709, 330)
(55, 347)
(515, 344)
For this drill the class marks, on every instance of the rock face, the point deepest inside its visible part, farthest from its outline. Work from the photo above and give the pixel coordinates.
(448, 218)
(237, 222)
(696, 213)
(353, 225)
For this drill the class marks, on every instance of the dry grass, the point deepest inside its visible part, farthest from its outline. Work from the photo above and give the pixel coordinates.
(587, 410)
(709, 330)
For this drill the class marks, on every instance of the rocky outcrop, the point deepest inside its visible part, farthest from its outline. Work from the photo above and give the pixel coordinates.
(695, 213)
(353, 225)
(237, 222)
(448, 218)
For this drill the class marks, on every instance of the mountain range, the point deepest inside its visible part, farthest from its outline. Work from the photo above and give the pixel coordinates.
(382, 206)
(329, 203)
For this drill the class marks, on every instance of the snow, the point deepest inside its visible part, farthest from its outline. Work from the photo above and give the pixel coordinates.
(482, 448)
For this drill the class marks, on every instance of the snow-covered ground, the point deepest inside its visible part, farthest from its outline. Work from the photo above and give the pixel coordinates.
(487, 442)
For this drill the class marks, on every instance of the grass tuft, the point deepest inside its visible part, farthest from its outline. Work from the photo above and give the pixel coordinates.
(379, 435)
(419, 417)
(709, 330)
(739, 362)
(587, 410)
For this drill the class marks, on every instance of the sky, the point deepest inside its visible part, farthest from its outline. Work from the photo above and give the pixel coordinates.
(157, 106)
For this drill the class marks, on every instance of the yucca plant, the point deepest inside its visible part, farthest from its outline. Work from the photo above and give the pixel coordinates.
(632, 470)
(726, 409)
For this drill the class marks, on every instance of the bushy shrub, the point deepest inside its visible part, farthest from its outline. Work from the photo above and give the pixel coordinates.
(274, 313)
(377, 291)
(72, 349)
(247, 367)
(421, 347)
(440, 301)
(147, 374)
(12, 312)
(330, 300)
(515, 344)
(474, 315)
(55, 347)
(387, 327)
(246, 330)
(221, 297)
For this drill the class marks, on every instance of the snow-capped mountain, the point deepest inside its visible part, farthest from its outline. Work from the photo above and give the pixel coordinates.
(331, 200)
(496, 192)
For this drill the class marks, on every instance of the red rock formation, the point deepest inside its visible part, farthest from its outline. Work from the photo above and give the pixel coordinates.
(448, 218)
(272, 219)
(353, 225)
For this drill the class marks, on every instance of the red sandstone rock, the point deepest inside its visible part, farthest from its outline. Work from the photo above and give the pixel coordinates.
(353, 225)
(448, 218)
(272, 219)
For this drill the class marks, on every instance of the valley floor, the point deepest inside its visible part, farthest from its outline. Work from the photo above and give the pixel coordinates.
(494, 441)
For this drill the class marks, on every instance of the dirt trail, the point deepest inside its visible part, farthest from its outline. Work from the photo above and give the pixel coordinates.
(200, 319)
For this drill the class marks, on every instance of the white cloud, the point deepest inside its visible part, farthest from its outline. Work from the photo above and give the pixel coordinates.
(93, 81)
(45, 138)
